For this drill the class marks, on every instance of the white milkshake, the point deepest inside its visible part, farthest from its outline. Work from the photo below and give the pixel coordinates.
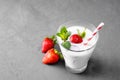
(77, 57)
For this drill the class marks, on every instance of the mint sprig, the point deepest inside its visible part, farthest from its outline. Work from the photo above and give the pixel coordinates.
(64, 34)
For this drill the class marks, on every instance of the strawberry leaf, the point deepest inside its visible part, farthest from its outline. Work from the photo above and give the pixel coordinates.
(59, 53)
(61, 56)
(83, 34)
(53, 37)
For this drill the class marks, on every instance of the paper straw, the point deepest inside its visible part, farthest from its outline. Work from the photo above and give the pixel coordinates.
(94, 32)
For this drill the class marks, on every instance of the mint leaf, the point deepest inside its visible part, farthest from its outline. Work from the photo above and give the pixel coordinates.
(61, 36)
(63, 30)
(66, 44)
(67, 34)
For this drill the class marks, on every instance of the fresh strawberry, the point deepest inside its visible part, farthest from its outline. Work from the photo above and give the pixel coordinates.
(51, 57)
(75, 38)
(47, 44)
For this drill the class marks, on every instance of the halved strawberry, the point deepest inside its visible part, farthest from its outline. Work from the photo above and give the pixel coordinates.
(51, 57)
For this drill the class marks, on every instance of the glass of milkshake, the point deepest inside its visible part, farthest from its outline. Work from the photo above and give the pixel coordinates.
(77, 56)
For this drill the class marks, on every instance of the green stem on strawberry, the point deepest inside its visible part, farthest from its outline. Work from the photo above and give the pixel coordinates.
(61, 56)
(59, 53)
(53, 37)
(83, 34)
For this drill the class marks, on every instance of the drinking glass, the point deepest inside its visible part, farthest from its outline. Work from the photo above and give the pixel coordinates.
(77, 61)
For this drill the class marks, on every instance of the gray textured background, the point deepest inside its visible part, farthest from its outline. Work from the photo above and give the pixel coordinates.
(24, 24)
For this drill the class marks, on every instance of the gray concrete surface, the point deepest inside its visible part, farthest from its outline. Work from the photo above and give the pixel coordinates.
(24, 24)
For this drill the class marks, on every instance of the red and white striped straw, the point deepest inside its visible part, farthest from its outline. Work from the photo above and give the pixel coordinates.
(94, 32)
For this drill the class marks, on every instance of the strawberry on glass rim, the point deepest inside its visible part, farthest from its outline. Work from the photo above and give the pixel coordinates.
(78, 38)
(75, 38)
